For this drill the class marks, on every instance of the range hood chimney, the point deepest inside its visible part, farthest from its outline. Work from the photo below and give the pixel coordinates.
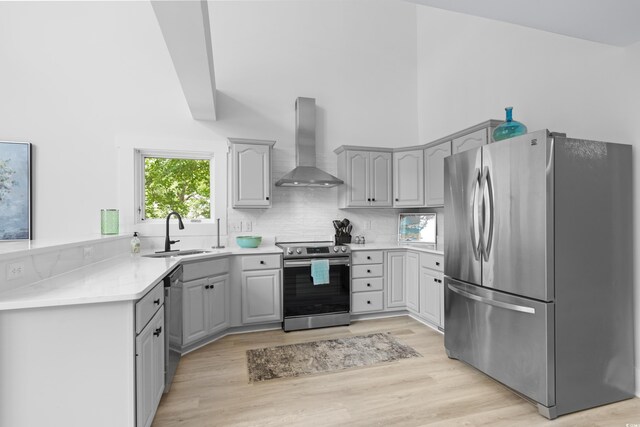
(306, 174)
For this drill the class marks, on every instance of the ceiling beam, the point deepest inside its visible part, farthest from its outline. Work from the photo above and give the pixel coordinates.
(187, 34)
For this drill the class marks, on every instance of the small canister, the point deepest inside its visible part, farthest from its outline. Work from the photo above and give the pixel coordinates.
(109, 221)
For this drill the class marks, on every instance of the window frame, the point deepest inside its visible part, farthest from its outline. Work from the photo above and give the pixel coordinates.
(141, 154)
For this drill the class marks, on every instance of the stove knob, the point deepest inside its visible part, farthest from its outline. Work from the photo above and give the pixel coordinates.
(335, 249)
(344, 249)
(289, 251)
(298, 251)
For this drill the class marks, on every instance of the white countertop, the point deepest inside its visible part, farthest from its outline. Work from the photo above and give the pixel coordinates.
(419, 247)
(123, 278)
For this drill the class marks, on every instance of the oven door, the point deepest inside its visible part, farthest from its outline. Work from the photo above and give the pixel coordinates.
(303, 298)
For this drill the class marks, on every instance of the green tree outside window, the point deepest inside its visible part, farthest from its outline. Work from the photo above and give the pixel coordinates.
(182, 185)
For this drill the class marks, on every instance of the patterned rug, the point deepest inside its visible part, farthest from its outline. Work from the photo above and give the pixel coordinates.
(325, 356)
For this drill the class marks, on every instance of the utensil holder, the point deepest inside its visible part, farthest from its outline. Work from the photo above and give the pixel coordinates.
(341, 240)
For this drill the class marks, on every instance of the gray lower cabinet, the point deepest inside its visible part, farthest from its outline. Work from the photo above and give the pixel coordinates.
(396, 293)
(205, 307)
(431, 289)
(150, 354)
(412, 273)
(367, 283)
(261, 296)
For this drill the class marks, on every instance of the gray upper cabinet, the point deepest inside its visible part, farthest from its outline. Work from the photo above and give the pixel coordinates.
(472, 140)
(250, 165)
(380, 177)
(408, 178)
(434, 173)
(358, 179)
(367, 177)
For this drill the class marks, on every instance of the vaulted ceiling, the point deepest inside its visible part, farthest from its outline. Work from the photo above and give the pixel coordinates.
(613, 22)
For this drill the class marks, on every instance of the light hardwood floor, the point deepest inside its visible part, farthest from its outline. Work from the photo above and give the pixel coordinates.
(211, 388)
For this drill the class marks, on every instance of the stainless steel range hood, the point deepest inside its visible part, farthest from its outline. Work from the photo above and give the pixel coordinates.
(306, 174)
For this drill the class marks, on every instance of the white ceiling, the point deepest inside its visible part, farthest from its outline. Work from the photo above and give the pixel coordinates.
(614, 22)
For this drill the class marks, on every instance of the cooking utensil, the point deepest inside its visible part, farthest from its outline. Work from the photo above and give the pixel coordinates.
(349, 228)
(345, 222)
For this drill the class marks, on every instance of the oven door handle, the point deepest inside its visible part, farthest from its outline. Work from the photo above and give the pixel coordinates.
(306, 263)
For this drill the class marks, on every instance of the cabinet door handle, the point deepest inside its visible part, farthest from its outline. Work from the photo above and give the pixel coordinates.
(212, 286)
(437, 263)
(156, 301)
(369, 284)
(262, 262)
(368, 257)
(373, 200)
(207, 287)
(368, 302)
(267, 198)
(158, 332)
(368, 271)
(435, 280)
(368, 200)
(397, 200)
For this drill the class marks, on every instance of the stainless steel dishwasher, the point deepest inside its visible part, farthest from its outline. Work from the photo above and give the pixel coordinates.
(172, 320)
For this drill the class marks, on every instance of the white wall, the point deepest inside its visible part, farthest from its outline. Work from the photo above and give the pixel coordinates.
(470, 68)
(82, 78)
(357, 58)
(76, 77)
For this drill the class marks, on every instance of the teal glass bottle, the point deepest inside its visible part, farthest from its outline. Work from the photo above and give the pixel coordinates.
(510, 128)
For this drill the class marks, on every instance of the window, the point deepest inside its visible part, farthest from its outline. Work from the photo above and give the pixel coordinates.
(174, 181)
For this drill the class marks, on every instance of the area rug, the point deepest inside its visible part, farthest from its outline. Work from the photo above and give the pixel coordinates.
(325, 356)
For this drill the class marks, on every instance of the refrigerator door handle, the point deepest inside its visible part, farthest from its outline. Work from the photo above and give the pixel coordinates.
(505, 305)
(475, 226)
(488, 211)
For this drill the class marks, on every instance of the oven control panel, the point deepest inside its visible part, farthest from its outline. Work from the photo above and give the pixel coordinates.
(316, 251)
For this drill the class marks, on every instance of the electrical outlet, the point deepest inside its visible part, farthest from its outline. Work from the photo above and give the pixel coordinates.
(247, 226)
(235, 226)
(15, 270)
(367, 225)
(88, 252)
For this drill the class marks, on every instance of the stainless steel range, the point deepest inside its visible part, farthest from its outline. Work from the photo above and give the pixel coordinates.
(309, 303)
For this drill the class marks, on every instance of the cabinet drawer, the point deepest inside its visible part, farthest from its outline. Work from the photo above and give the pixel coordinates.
(206, 268)
(366, 257)
(261, 262)
(366, 301)
(374, 270)
(148, 305)
(432, 261)
(373, 284)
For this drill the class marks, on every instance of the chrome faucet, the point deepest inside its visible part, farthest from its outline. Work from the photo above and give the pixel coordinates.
(168, 242)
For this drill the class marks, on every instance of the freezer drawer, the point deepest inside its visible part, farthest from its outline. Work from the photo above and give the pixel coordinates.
(509, 338)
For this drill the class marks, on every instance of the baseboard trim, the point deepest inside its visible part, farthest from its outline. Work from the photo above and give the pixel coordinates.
(424, 322)
(637, 381)
(235, 330)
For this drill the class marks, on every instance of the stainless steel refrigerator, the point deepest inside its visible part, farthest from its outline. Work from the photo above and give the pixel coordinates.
(538, 268)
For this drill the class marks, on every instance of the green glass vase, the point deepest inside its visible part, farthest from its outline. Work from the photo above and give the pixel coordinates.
(109, 221)
(509, 128)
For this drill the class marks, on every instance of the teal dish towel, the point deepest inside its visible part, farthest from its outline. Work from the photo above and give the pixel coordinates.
(320, 271)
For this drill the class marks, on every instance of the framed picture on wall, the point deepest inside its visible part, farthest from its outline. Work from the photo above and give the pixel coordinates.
(15, 190)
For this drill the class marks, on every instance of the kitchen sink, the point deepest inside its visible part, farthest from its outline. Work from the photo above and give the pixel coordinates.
(177, 253)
